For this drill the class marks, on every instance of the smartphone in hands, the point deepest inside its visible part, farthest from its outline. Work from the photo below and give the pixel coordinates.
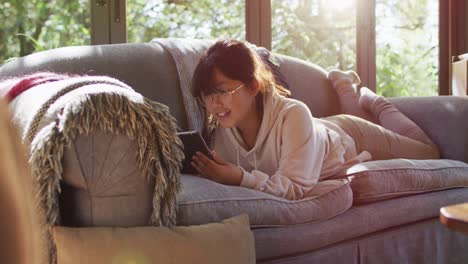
(193, 142)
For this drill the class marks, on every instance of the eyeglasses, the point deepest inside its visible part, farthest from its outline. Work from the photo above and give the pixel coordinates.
(223, 95)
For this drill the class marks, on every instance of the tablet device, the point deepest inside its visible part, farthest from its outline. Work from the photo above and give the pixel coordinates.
(193, 142)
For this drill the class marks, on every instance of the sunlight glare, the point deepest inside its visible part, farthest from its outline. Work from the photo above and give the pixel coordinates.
(339, 5)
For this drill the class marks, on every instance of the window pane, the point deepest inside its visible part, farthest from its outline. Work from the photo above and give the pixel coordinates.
(320, 31)
(407, 47)
(185, 19)
(30, 26)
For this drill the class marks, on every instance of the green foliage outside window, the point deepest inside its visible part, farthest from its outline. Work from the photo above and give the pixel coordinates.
(324, 32)
(35, 25)
(407, 47)
(313, 31)
(308, 29)
(201, 19)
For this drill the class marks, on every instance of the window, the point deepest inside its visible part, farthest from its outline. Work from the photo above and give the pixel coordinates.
(324, 32)
(185, 19)
(29, 26)
(393, 45)
(320, 31)
(407, 47)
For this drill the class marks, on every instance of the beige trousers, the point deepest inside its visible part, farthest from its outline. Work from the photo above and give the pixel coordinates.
(409, 142)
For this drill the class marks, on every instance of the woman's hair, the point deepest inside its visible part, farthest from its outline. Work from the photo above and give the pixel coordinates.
(237, 61)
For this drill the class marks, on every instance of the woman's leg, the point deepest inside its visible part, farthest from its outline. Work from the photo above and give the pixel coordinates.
(382, 143)
(343, 82)
(390, 117)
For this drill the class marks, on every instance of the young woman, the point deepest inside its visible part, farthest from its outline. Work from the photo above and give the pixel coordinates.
(265, 141)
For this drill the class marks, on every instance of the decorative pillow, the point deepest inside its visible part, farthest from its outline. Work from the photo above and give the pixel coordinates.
(203, 201)
(385, 179)
(21, 221)
(231, 241)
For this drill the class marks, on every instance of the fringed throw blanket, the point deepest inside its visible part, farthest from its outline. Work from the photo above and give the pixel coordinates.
(50, 115)
(186, 54)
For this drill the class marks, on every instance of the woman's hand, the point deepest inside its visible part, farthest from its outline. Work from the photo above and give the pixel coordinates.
(217, 170)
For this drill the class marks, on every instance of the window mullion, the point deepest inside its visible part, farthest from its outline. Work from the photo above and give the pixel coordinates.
(265, 24)
(252, 21)
(258, 22)
(118, 21)
(108, 21)
(100, 33)
(365, 43)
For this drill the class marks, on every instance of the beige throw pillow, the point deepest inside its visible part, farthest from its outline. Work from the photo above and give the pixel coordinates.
(231, 241)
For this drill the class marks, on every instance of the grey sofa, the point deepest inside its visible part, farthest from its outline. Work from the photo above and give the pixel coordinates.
(400, 230)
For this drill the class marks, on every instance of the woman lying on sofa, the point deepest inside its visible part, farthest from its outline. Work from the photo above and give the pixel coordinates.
(265, 141)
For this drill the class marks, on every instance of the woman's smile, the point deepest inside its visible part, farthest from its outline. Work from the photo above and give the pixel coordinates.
(223, 116)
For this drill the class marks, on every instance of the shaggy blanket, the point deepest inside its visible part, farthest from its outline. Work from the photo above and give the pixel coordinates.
(186, 54)
(51, 115)
(30, 81)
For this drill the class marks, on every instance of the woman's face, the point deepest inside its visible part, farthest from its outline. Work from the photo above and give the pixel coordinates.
(232, 102)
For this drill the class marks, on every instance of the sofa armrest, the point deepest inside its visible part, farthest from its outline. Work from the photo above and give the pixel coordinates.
(443, 118)
(101, 183)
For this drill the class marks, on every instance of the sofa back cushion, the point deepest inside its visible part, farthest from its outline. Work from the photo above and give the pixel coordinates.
(147, 68)
(309, 84)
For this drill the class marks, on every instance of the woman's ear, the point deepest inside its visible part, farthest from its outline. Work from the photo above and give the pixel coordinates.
(254, 88)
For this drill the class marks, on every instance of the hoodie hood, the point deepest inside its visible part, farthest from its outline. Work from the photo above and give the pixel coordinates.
(265, 155)
(272, 105)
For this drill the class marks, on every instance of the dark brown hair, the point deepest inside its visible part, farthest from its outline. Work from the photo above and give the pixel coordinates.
(237, 61)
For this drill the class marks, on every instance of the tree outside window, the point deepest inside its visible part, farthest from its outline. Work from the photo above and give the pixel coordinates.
(407, 47)
(203, 19)
(35, 25)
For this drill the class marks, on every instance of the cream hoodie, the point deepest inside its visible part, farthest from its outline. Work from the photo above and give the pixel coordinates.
(292, 151)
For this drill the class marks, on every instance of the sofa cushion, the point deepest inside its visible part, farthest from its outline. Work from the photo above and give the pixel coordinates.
(204, 201)
(227, 242)
(386, 179)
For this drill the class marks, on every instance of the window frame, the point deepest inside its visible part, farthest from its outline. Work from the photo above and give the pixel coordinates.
(258, 22)
(108, 21)
(108, 26)
(453, 39)
(366, 60)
